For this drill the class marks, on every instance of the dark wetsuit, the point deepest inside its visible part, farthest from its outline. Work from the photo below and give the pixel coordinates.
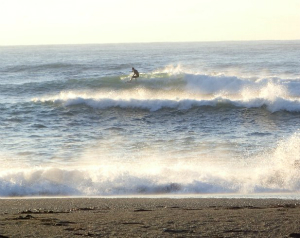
(135, 74)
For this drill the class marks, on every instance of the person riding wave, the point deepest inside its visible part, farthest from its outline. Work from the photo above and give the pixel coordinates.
(135, 74)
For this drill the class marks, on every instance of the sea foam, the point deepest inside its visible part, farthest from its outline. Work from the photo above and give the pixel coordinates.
(183, 91)
(275, 170)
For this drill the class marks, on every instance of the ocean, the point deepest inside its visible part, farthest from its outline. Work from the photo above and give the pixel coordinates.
(203, 119)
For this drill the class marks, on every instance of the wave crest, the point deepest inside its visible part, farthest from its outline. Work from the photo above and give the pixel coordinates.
(171, 88)
(275, 170)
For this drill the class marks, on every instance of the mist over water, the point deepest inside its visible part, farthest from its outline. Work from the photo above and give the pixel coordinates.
(203, 118)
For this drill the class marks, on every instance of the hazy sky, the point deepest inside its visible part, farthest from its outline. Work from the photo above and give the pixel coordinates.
(24, 22)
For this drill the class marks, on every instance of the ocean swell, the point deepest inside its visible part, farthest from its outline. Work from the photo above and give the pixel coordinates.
(178, 90)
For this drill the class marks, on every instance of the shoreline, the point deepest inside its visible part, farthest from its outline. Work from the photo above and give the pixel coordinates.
(149, 217)
(281, 196)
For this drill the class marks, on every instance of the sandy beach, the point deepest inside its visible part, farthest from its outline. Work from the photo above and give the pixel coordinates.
(149, 217)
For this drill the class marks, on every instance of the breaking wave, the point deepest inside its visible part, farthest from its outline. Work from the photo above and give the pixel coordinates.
(273, 171)
(179, 90)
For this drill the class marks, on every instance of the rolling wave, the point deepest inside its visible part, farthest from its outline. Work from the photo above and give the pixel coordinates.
(271, 171)
(178, 90)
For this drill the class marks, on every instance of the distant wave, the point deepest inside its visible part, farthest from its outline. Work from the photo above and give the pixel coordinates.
(179, 90)
(39, 67)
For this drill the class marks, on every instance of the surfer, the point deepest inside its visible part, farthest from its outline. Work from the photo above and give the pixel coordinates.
(135, 74)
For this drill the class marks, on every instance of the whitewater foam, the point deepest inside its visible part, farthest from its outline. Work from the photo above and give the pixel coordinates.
(185, 91)
(276, 170)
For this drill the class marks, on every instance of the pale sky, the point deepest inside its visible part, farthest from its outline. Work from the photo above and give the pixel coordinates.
(35, 22)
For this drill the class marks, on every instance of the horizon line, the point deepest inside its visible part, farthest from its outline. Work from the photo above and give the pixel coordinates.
(150, 42)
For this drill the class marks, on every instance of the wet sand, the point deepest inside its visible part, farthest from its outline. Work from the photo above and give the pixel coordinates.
(149, 217)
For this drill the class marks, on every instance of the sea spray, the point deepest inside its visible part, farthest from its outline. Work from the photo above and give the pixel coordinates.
(184, 93)
(272, 171)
